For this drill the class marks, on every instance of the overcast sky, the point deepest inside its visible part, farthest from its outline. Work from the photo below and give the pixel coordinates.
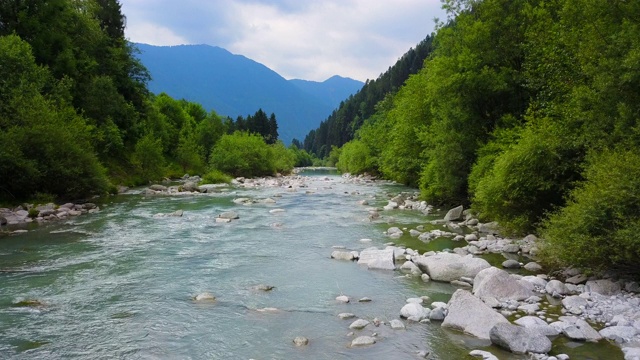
(303, 39)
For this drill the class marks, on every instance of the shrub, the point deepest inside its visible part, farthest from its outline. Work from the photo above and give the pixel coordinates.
(215, 177)
(242, 154)
(527, 180)
(599, 227)
(355, 158)
(148, 158)
(283, 159)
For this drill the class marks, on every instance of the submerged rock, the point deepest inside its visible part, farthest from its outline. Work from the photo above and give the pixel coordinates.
(301, 341)
(205, 297)
(363, 341)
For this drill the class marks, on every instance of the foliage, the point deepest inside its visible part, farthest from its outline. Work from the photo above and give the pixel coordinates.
(283, 160)
(215, 177)
(242, 154)
(598, 229)
(355, 158)
(148, 157)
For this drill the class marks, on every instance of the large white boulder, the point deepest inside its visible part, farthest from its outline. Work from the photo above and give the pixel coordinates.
(454, 214)
(469, 314)
(499, 284)
(414, 311)
(448, 267)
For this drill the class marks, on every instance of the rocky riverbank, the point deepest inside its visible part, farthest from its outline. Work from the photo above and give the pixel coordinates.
(521, 313)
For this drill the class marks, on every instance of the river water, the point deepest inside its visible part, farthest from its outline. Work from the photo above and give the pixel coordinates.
(120, 283)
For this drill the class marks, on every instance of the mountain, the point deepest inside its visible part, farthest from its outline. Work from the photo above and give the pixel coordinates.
(234, 85)
(332, 91)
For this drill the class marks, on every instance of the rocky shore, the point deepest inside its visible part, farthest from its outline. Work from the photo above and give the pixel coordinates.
(521, 313)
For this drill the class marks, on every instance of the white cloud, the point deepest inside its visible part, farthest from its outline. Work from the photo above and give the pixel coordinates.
(310, 40)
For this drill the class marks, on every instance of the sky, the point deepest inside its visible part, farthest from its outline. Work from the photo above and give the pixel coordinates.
(301, 39)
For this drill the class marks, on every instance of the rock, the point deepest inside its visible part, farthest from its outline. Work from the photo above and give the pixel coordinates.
(448, 267)
(231, 215)
(378, 259)
(414, 312)
(518, 339)
(342, 299)
(454, 214)
(177, 213)
(359, 324)
(571, 302)
(631, 353)
(511, 264)
(204, 297)
(577, 329)
(485, 355)
(345, 316)
(603, 286)
(437, 314)
(490, 228)
(190, 186)
(556, 287)
(364, 299)
(414, 233)
(425, 278)
(342, 255)
(499, 284)
(577, 279)
(394, 232)
(363, 341)
(537, 324)
(469, 314)
(397, 324)
(410, 267)
(276, 211)
(158, 187)
(3, 221)
(533, 266)
(301, 341)
(221, 220)
(263, 287)
(470, 237)
(619, 334)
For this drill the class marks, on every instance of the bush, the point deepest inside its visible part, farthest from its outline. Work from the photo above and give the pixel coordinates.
(283, 159)
(242, 154)
(148, 158)
(215, 177)
(355, 158)
(527, 180)
(599, 227)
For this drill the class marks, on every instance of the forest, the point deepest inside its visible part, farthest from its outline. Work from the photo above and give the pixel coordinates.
(526, 111)
(76, 116)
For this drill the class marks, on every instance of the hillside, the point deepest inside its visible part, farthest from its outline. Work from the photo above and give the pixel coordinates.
(234, 85)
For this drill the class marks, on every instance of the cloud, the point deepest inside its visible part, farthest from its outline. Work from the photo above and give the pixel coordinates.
(299, 39)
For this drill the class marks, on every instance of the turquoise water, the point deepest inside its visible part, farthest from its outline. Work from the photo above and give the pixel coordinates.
(120, 283)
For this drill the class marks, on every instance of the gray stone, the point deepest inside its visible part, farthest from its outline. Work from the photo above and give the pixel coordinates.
(410, 267)
(397, 324)
(619, 334)
(342, 299)
(470, 315)
(342, 255)
(511, 264)
(378, 259)
(571, 302)
(603, 286)
(511, 248)
(414, 311)
(190, 186)
(497, 283)
(157, 187)
(490, 228)
(518, 339)
(556, 287)
(533, 267)
(394, 232)
(537, 324)
(454, 214)
(448, 267)
(363, 341)
(301, 341)
(437, 314)
(578, 329)
(414, 233)
(485, 355)
(577, 279)
(345, 316)
(470, 237)
(359, 324)
(231, 215)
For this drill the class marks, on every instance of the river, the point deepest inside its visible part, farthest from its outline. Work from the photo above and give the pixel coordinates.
(120, 283)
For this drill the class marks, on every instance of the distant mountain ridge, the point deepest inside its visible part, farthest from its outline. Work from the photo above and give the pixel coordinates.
(235, 85)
